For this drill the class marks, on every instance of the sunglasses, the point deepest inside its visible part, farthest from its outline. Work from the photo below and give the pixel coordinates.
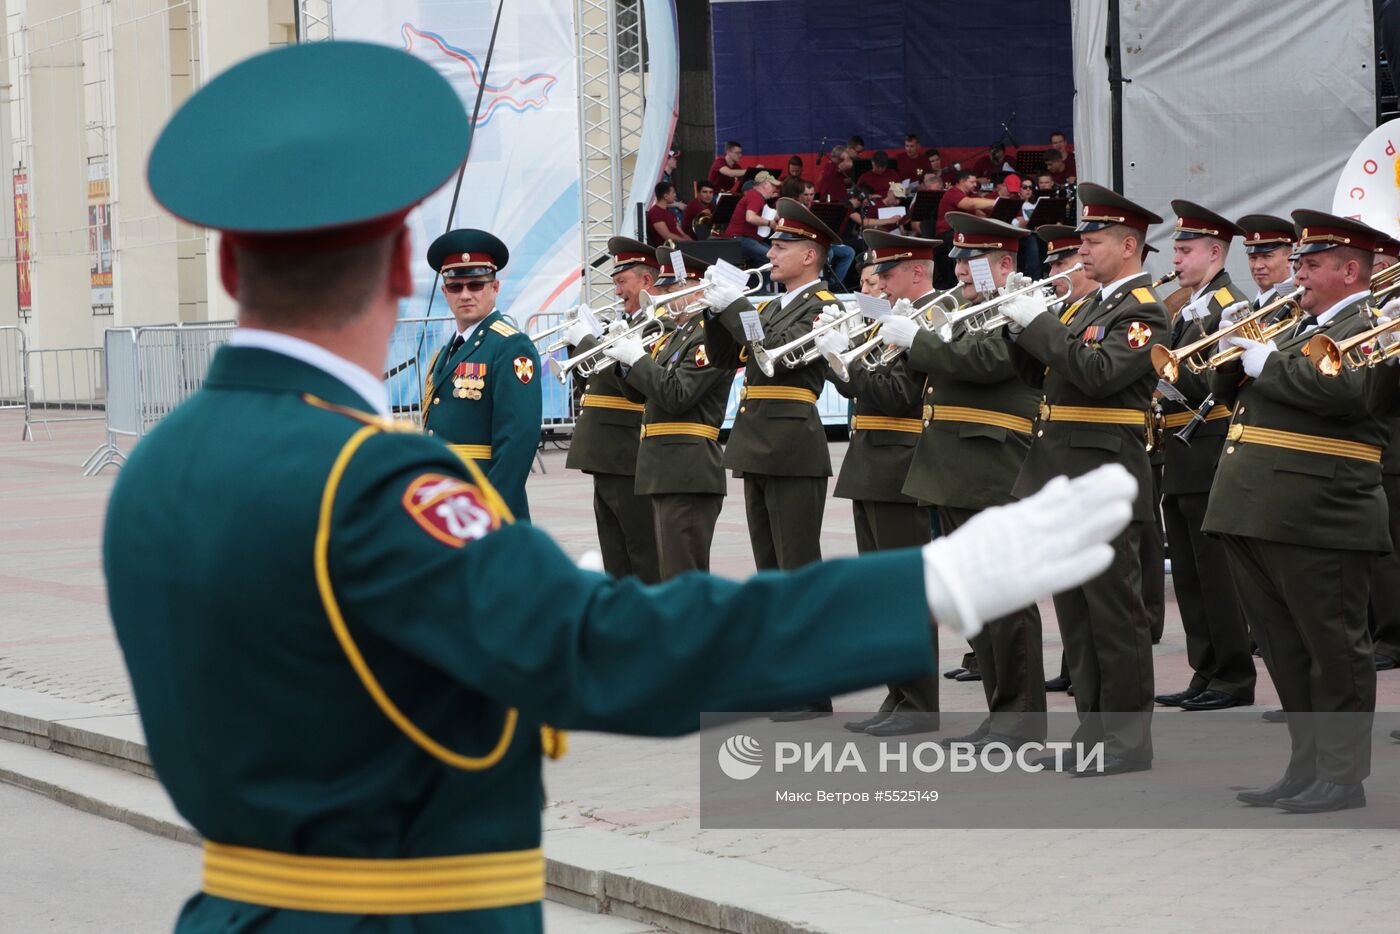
(476, 285)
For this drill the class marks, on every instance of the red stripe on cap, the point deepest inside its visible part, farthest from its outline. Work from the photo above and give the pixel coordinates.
(1112, 214)
(1269, 236)
(319, 241)
(889, 254)
(1338, 236)
(1200, 225)
(456, 260)
(626, 259)
(1061, 244)
(978, 241)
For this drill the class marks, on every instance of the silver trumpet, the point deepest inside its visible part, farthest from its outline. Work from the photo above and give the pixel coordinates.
(654, 303)
(593, 361)
(801, 351)
(569, 318)
(984, 316)
(862, 353)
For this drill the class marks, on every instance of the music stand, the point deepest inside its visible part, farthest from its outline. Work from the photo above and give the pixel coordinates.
(722, 211)
(1047, 211)
(1029, 161)
(1006, 209)
(831, 213)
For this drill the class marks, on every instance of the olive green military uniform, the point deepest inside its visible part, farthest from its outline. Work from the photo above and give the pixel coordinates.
(1096, 374)
(1299, 502)
(367, 546)
(977, 420)
(484, 400)
(884, 428)
(1217, 641)
(1385, 586)
(680, 461)
(777, 444)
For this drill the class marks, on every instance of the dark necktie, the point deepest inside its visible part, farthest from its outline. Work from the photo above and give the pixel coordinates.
(456, 345)
(1304, 323)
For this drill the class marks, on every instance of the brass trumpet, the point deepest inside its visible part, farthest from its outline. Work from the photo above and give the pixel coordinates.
(1195, 355)
(1366, 349)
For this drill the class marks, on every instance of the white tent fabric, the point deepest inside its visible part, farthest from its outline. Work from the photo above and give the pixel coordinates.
(1251, 106)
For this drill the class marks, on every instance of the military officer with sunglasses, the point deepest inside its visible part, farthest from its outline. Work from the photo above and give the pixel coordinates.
(482, 392)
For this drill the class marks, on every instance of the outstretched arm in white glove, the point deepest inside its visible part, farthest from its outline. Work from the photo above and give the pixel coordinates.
(625, 350)
(897, 331)
(832, 342)
(720, 295)
(576, 332)
(1010, 556)
(1023, 309)
(1255, 353)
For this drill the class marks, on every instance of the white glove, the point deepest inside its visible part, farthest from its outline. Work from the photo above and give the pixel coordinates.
(591, 560)
(1255, 354)
(1023, 309)
(1232, 313)
(617, 327)
(626, 350)
(1010, 556)
(832, 342)
(720, 295)
(897, 331)
(576, 332)
(1017, 280)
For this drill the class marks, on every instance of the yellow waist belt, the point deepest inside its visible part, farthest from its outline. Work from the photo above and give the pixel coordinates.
(657, 429)
(591, 401)
(1182, 419)
(343, 885)
(884, 423)
(788, 393)
(1092, 416)
(1316, 444)
(959, 413)
(477, 452)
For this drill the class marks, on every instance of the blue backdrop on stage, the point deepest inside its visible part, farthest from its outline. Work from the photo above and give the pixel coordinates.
(789, 72)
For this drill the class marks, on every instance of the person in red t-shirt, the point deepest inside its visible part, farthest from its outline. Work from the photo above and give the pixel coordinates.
(700, 209)
(794, 168)
(836, 175)
(726, 173)
(1058, 141)
(911, 163)
(877, 180)
(748, 217)
(661, 220)
(957, 198)
(1056, 167)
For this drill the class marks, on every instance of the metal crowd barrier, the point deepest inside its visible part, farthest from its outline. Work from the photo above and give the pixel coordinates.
(13, 384)
(149, 371)
(66, 385)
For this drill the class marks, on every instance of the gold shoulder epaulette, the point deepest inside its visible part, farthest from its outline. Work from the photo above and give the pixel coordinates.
(825, 296)
(503, 329)
(1144, 295)
(365, 418)
(1223, 297)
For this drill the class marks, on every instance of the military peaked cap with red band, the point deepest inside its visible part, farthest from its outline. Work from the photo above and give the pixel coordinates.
(887, 250)
(1265, 232)
(627, 253)
(1102, 207)
(973, 235)
(1318, 231)
(465, 252)
(342, 178)
(1194, 221)
(1059, 238)
(1387, 245)
(694, 266)
(794, 222)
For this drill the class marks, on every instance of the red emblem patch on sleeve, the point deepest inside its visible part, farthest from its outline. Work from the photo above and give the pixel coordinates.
(524, 369)
(1138, 335)
(449, 509)
(700, 358)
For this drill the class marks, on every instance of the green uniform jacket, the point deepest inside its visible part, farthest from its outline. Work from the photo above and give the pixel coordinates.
(679, 384)
(962, 463)
(1302, 497)
(776, 437)
(878, 459)
(1192, 469)
(1383, 399)
(605, 437)
(506, 416)
(1102, 359)
(265, 736)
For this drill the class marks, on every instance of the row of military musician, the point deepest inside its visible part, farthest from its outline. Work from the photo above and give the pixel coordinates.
(1257, 429)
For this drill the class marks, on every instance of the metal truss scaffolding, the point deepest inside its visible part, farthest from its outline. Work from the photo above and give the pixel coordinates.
(313, 20)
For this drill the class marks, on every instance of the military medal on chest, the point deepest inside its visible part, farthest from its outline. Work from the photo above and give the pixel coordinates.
(468, 380)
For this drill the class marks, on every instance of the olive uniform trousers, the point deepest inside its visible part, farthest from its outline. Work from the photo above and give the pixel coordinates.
(881, 526)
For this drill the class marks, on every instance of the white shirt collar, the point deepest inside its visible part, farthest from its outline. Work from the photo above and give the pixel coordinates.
(1112, 287)
(790, 296)
(365, 384)
(1331, 313)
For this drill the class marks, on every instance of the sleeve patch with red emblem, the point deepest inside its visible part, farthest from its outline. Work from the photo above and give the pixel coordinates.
(449, 509)
(524, 369)
(1138, 335)
(700, 358)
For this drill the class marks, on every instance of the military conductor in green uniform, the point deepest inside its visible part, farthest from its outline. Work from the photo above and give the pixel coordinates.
(342, 647)
(482, 393)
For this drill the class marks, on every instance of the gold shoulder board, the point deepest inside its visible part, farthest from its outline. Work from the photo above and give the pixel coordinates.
(826, 296)
(1144, 295)
(503, 329)
(1224, 298)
